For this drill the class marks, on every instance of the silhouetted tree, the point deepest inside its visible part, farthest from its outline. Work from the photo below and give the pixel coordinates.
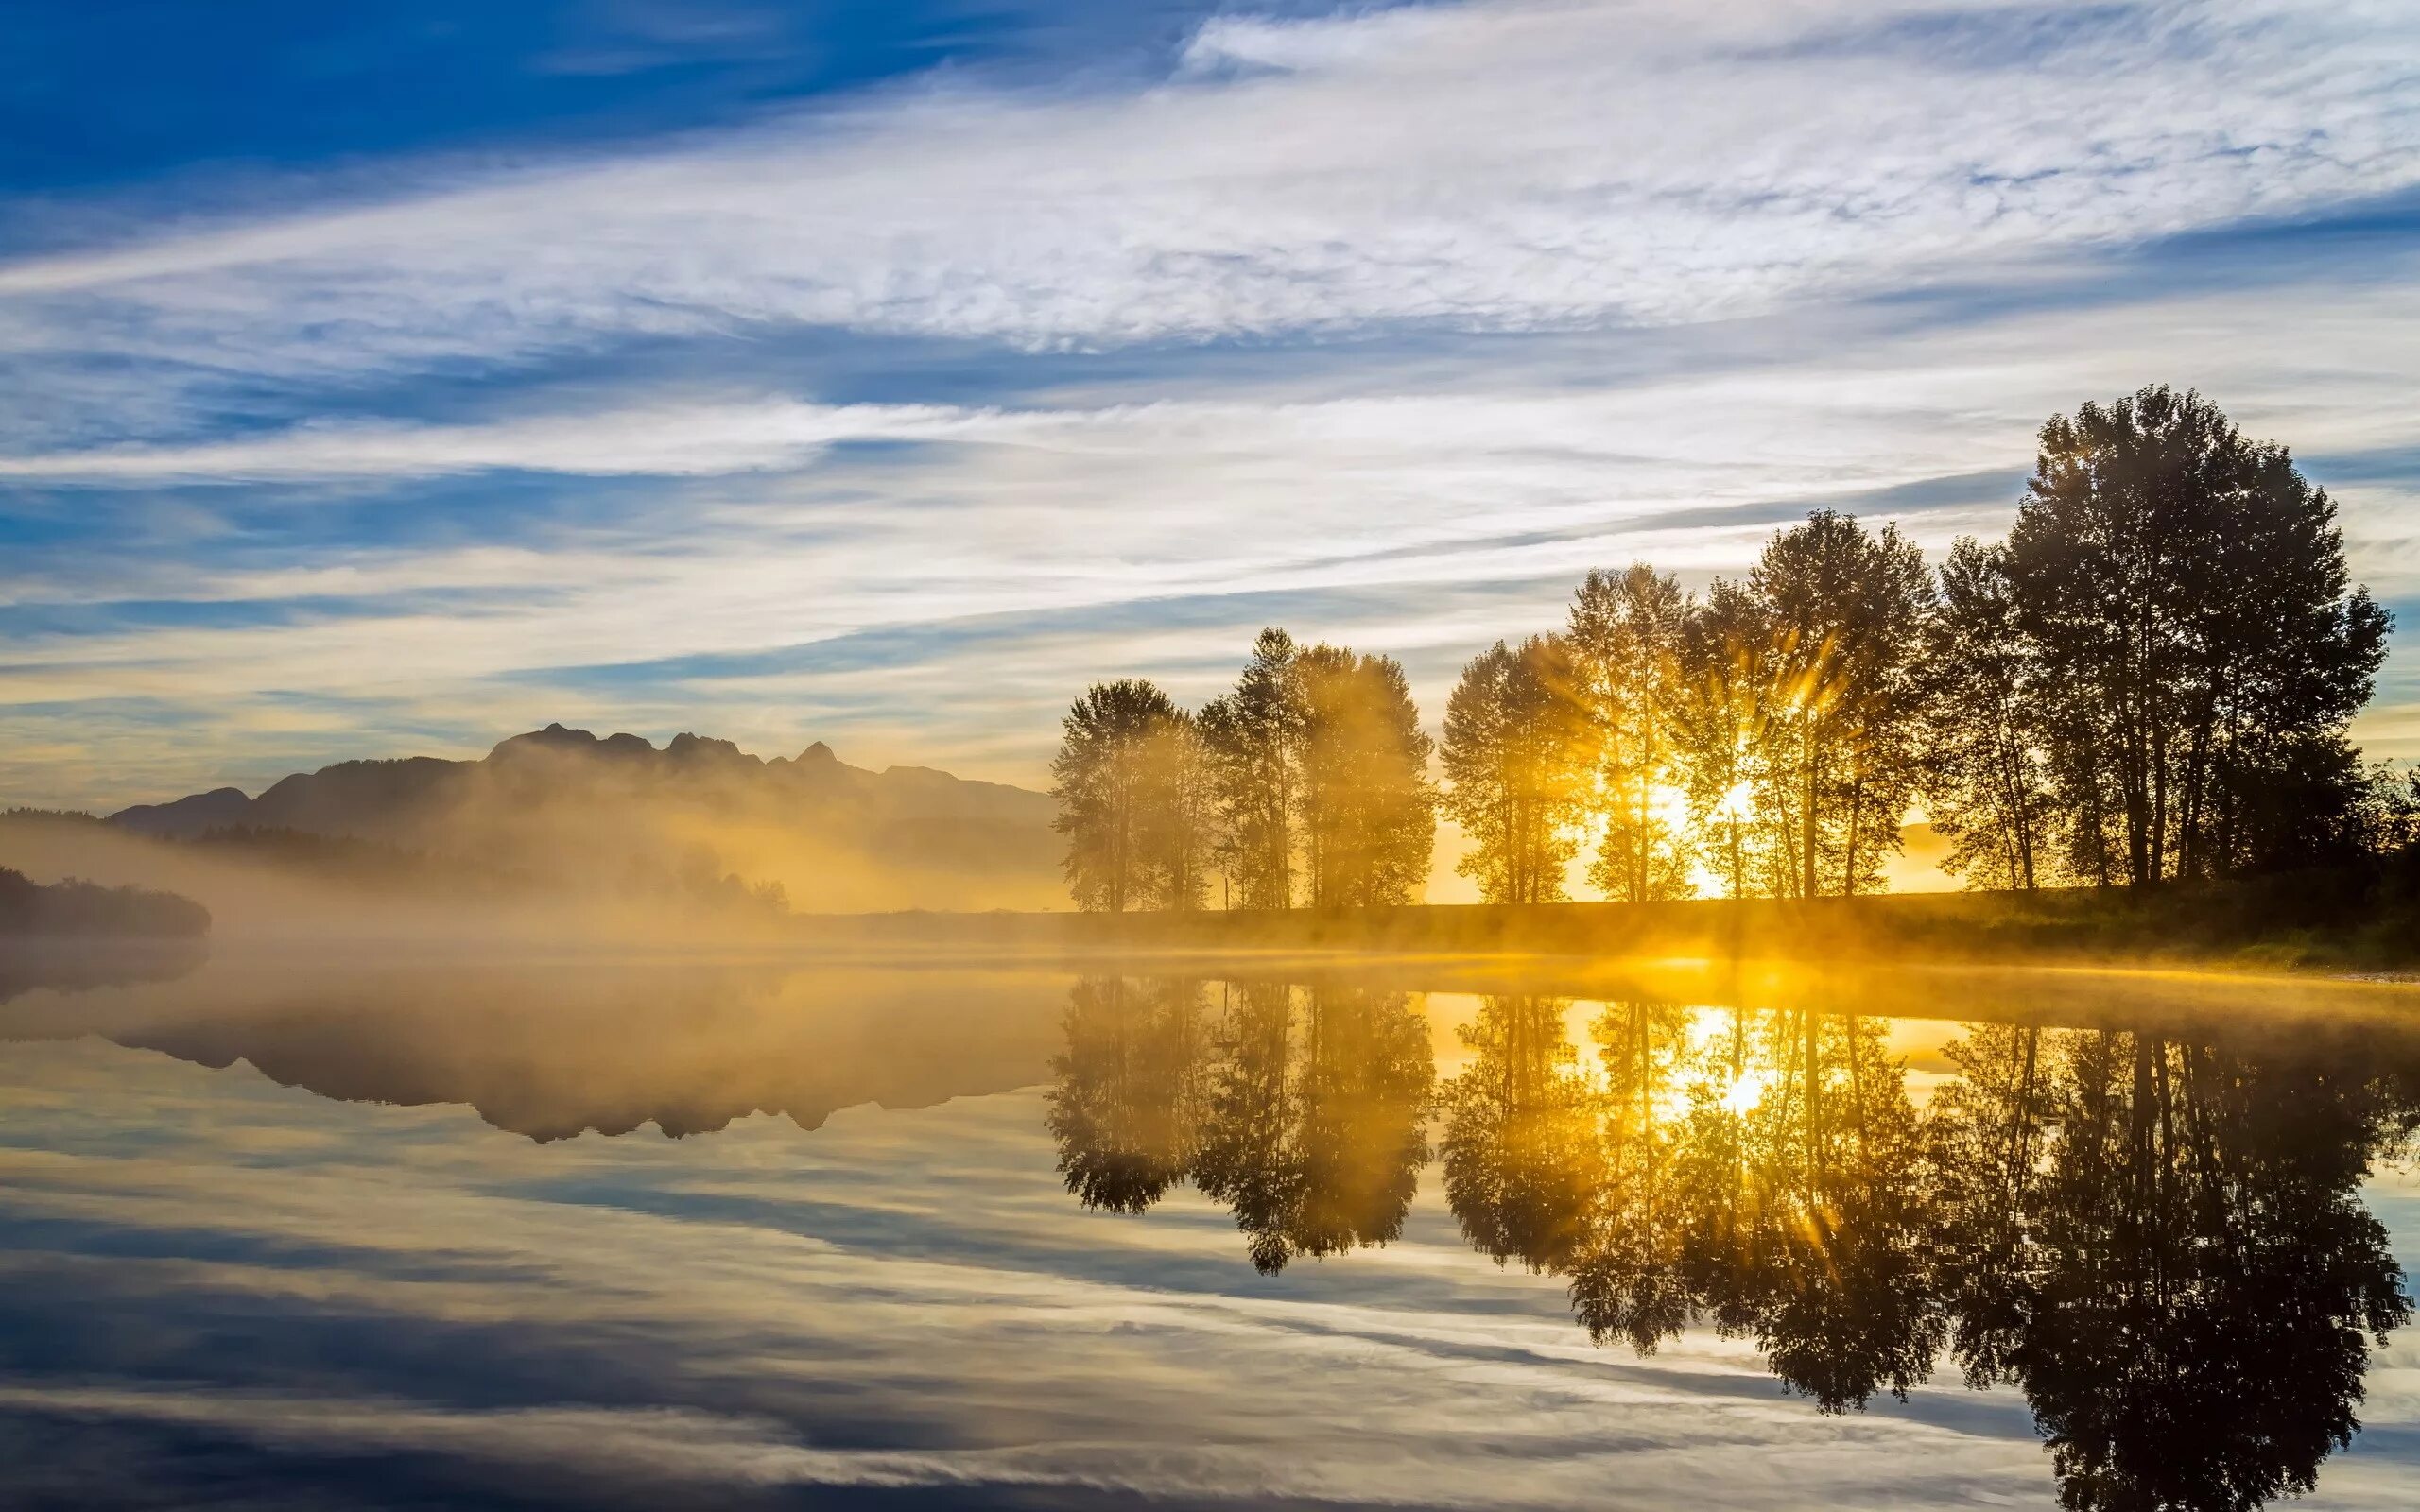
(1253, 738)
(1987, 787)
(1730, 688)
(1368, 813)
(1515, 754)
(2187, 588)
(1847, 611)
(1178, 832)
(1625, 634)
(1104, 778)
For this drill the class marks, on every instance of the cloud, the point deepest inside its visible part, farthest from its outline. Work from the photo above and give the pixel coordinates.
(1002, 555)
(663, 441)
(1506, 166)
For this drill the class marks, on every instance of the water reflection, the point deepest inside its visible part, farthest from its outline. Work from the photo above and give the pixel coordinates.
(1301, 1108)
(554, 1049)
(2162, 1242)
(2157, 1237)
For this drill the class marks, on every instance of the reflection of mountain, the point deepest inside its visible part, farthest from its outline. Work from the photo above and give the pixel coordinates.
(80, 965)
(836, 835)
(2157, 1236)
(550, 1052)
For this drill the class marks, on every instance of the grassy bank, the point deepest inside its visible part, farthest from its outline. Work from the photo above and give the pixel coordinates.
(2364, 920)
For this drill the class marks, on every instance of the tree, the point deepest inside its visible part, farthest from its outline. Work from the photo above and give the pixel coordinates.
(1626, 633)
(1103, 778)
(1730, 684)
(1179, 823)
(1368, 816)
(1986, 778)
(1847, 611)
(1253, 737)
(2187, 589)
(1516, 753)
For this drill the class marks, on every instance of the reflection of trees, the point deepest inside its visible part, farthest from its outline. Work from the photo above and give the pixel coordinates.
(1809, 1223)
(2160, 1242)
(1312, 1122)
(2169, 1256)
(1627, 1281)
(1301, 1112)
(1123, 1105)
(1766, 1178)
(1520, 1147)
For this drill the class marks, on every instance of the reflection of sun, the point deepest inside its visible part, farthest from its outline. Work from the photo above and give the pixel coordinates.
(1746, 1090)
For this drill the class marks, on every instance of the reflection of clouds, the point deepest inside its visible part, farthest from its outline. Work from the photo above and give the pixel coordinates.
(974, 1328)
(897, 1300)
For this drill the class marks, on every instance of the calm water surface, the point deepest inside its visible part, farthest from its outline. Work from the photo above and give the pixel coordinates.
(290, 1235)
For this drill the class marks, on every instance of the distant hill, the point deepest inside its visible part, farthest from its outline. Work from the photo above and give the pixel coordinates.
(568, 806)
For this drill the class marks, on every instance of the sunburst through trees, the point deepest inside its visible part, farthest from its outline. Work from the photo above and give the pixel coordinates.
(2150, 680)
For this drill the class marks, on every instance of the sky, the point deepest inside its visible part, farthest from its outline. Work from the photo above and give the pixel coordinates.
(386, 378)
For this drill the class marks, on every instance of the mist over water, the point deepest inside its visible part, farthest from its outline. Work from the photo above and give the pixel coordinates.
(738, 1228)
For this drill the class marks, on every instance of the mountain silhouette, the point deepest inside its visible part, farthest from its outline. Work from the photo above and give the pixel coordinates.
(567, 801)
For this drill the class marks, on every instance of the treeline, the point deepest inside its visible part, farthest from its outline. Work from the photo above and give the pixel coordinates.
(2150, 679)
(1309, 783)
(75, 909)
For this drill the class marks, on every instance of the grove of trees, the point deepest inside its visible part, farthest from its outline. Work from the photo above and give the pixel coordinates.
(2150, 679)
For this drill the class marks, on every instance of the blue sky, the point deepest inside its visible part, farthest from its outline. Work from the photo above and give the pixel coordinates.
(383, 378)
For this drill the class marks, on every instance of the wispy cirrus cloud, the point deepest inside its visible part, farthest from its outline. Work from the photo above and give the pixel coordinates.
(1506, 166)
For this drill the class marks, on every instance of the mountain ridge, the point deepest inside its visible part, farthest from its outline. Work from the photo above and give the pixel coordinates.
(580, 805)
(230, 806)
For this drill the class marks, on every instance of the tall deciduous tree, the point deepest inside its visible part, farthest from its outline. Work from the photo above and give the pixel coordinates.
(1516, 753)
(1986, 777)
(1730, 685)
(2187, 588)
(1625, 633)
(1103, 778)
(1180, 822)
(1254, 738)
(1367, 815)
(1847, 608)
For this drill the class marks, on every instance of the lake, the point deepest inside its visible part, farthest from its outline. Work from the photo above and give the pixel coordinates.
(295, 1232)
